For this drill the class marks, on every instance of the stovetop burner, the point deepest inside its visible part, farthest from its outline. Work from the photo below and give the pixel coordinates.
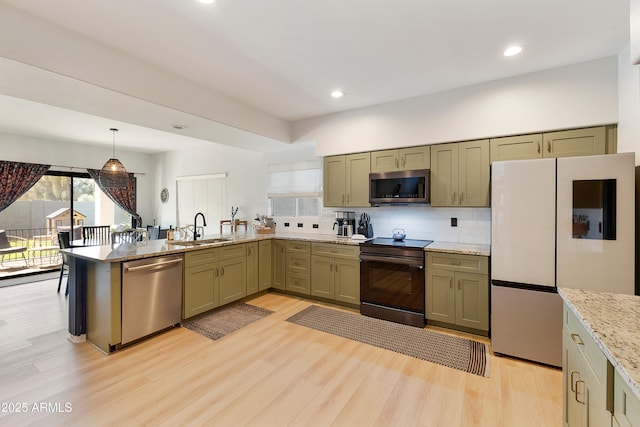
(406, 243)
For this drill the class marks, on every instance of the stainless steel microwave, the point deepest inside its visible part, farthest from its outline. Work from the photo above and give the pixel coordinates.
(399, 188)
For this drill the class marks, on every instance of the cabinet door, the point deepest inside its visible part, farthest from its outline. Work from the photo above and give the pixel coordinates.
(200, 290)
(322, 278)
(473, 173)
(575, 386)
(444, 175)
(384, 161)
(265, 265)
(279, 265)
(334, 181)
(357, 179)
(519, 147)
(232, 280)
(472, 300)
(440, 296)
(626, 406)
(347, 280)
(577, 142)
(253, 265)
(414, 158)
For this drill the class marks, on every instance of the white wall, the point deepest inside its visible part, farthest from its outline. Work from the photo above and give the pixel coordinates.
(629, 105)
(573, 96)
(245, 183)
(22, 148)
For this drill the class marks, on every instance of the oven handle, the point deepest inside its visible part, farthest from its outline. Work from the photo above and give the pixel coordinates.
(411, 262)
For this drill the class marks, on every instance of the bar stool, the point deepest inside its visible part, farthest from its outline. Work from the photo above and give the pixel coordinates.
(234, 227)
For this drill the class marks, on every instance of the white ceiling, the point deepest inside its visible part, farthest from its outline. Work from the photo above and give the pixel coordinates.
(285, 57)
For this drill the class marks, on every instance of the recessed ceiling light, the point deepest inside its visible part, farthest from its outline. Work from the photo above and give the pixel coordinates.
(179, 127)
(513, 50)
(337, 94)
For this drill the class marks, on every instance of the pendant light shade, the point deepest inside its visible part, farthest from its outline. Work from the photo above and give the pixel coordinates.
(113, 174)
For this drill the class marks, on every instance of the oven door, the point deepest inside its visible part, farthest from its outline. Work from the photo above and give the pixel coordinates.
(389, 281)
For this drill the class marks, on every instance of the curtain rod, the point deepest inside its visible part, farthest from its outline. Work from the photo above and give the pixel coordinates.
(71, 169)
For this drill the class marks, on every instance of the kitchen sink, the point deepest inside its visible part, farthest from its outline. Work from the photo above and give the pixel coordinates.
(198, 242)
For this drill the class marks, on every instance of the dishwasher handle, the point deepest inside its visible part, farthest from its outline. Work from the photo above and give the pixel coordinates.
(157, 264)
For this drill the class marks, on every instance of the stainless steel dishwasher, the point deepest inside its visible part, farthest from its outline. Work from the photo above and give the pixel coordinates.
(151, 296)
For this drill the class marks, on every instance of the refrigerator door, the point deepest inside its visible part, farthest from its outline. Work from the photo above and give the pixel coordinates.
(527, 324)
(523, 205)
(595, 247)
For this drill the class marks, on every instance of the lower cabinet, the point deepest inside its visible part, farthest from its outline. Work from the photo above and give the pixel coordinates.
(298, 271)
(279, 265)
(335, 272)
(457, 290)
(265, 265)
(587, 377)
(213, 277)
(253, 268)
(626, 406)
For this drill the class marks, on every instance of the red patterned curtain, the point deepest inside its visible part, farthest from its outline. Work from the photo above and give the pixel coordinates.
(125, 198)
(16, 179)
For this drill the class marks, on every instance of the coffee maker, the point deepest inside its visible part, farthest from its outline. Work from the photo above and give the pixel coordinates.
(345, 223)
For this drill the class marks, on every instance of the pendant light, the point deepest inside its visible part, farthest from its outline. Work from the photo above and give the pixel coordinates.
(113, 174)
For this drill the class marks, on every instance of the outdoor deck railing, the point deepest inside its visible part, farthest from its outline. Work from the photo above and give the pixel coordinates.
(42, 248)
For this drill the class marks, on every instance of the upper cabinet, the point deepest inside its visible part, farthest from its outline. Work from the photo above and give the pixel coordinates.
(575, 142)
(460, 174)
(411, 158)
(346, 180)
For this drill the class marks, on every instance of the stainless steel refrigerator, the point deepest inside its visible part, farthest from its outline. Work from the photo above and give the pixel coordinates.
(565, 222)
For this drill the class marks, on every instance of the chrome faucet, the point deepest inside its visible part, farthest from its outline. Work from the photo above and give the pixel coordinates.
(195, 225)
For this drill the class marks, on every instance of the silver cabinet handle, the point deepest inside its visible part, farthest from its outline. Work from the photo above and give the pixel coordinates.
(217, 272)
(538, 147)
(576, 339)
(548, 146)
(222, 271)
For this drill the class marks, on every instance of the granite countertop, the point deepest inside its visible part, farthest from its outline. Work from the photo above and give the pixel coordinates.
(130, 251)
(460, 248)
(613, 321)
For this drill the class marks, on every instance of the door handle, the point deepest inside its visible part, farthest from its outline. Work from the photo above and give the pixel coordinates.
(577, 392)
(222, 271)
(548, 146)
(538, 147)
(396, 159)
(573, 383)
(217, 272)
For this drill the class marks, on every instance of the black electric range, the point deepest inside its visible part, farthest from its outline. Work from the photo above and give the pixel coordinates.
(406, 243)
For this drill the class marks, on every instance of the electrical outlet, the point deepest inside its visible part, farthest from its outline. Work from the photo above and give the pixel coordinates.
(454, 222)
(300, 225)
(286, 224)
(315, 225)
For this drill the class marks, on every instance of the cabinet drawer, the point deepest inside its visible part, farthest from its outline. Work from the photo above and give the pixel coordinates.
(193, 258)
(336, 250)
(300, 283)
(301, 247)
(469, 263)
(233, 251)
(298, 263)
(586, 344)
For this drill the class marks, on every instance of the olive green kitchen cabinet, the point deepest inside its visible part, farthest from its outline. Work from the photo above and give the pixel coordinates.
(200, 282)
(588, 377)
(279, 265)
(412, 158)
(265, 265)
(335, 272)
(573, 142)
(626, 406)
(518, 147)
(253, 268)
(460, 174)
(298, 268)
(346, 180)
(457, 291)
(233, 280)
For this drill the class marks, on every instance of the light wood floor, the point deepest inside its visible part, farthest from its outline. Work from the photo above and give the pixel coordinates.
(270, 373)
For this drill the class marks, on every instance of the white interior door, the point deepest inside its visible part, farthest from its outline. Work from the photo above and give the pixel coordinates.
(523, 221)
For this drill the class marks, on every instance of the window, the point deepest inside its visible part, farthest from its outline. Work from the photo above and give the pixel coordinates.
(295, 189)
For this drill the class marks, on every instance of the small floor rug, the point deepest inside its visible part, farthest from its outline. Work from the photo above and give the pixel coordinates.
(454, 352)
(226, 320)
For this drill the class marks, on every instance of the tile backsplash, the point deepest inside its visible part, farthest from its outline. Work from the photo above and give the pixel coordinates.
(473, 224)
